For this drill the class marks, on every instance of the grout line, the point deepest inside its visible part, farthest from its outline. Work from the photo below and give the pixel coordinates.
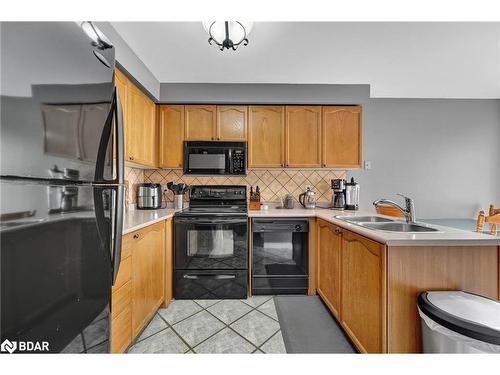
(232, 329)
(225, 325)
(270, 337)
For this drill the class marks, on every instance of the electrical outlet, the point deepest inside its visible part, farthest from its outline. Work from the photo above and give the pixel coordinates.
(368, 164)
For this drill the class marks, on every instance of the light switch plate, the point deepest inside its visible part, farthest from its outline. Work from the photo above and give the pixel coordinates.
(368, 164)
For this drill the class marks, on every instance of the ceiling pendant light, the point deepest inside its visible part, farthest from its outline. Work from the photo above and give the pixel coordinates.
(228, 34)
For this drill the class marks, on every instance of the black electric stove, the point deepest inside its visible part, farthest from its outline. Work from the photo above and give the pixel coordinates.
(211, 244)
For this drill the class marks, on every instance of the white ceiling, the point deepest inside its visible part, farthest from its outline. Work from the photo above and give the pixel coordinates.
(419, 60)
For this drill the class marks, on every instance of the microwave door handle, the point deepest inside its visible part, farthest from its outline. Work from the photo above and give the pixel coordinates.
(230, 161)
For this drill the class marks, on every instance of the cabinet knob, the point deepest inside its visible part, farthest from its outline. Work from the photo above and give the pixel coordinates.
(137, 235)
(338, 231)
(130, 158)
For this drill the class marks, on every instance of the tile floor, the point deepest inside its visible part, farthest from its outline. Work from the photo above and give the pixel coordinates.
(213, 326)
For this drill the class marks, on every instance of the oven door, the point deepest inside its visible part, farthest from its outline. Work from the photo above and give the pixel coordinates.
(211, 242)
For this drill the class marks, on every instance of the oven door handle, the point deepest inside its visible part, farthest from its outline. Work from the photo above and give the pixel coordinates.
(212, 222)
(217, 277)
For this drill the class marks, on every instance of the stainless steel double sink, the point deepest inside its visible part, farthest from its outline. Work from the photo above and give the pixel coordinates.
(385, 224)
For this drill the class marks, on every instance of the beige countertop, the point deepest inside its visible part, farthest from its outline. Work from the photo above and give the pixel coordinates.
(135, 219)
(446, 236)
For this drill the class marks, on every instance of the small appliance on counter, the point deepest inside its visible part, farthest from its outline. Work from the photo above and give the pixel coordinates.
(351, 195)
(149, 196)
(178, 190)
(288, 202)
(338, 197)
(308, 199)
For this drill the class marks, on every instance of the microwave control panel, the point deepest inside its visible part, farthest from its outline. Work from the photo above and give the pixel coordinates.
(238, 161)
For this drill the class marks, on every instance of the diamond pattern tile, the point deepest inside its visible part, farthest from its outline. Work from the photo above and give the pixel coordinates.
(229, 310)
(269, 309)
(165, 341)
(256, 327)
(274, 183)
(198, 327)
(275, 345)
(179, 310)
(216, 326)
(225, 341)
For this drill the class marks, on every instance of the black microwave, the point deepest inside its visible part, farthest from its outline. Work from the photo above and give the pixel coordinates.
(215, 158)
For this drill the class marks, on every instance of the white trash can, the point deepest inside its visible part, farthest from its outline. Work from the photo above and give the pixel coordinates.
(459, 322)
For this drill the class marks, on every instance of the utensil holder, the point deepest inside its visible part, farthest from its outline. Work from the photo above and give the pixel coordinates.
(178, 201)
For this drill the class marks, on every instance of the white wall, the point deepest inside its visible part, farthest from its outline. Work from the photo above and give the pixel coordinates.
(406, 60)
(129, 60)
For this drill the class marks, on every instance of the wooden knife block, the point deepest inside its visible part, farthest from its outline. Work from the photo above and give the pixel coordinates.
(254, 205)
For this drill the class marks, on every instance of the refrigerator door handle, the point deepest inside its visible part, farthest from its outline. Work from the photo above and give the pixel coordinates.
(117, 222)
(115, 116)
(120, 157)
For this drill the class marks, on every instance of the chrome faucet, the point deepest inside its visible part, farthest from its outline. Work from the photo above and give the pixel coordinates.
(409, 211)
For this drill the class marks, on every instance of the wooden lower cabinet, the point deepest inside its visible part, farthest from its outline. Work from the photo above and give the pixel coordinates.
(329, 249)
(140, 286)
(379, 285)
(363, 292)
(148, 274)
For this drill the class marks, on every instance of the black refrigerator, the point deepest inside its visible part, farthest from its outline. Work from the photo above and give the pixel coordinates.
(61, 187)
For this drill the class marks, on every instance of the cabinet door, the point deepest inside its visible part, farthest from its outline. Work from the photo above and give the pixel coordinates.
(232, 123)
(330, 243)
(303, 132)
(141, 138)
(136, 117)
(148, 274)
(149, 133)
(342, 136)
(171, 129)
(200, 122)
(363, 310)
(266, 137)
(122, 85)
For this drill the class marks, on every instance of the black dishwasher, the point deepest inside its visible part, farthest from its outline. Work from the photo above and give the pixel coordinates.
(280, 257)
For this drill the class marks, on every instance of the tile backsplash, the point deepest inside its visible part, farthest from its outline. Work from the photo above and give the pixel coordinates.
(273, 183)
(134, 176)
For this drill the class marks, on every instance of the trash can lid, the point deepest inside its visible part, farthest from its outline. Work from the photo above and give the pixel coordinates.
(466, 313)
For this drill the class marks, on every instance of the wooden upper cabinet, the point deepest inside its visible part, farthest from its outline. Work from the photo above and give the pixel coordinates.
(330, 245)
(200, 122)
(149, 134)
(171, 135)
(139, 123)
(303, 136)
(231, 123)
(363, 312)
(266, 136)
(342, 133)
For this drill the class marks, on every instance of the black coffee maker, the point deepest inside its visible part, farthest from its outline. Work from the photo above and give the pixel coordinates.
(338, 197)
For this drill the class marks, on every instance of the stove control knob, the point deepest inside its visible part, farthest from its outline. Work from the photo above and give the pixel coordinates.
(298, 228)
